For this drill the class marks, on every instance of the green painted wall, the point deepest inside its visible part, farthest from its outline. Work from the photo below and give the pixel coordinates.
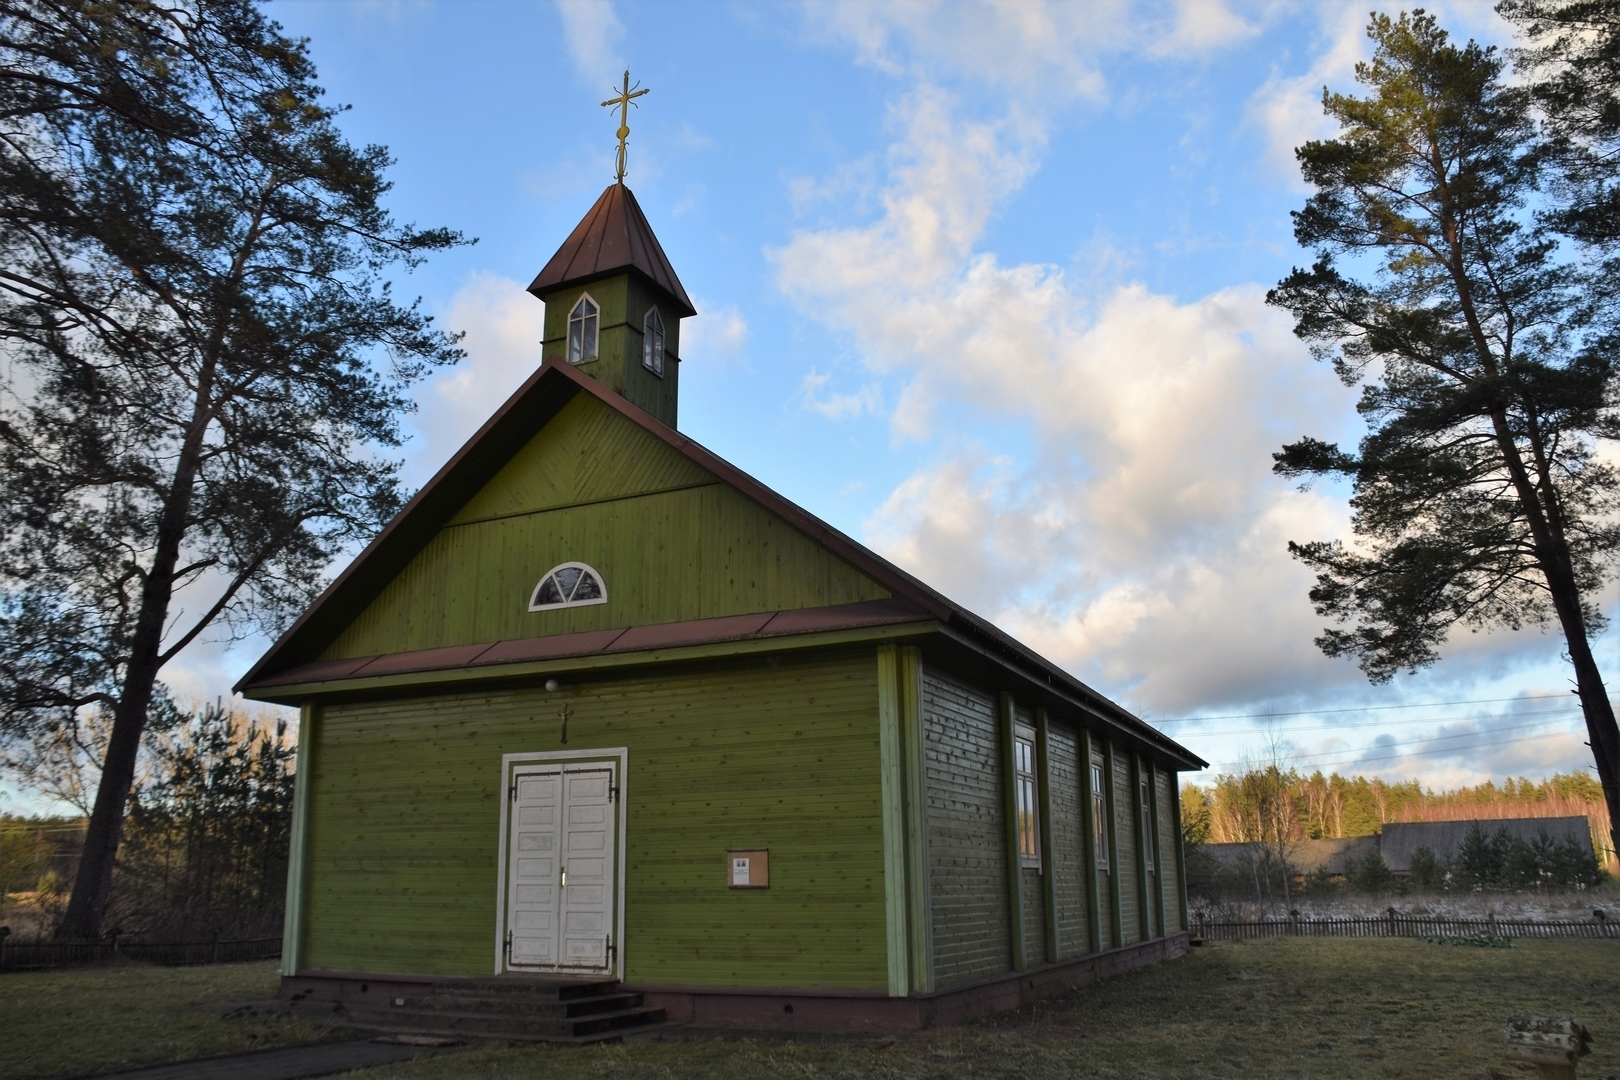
(624, 301)
(406, 807)
(671, 542)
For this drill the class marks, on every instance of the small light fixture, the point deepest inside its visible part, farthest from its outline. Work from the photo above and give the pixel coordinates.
(552, 686)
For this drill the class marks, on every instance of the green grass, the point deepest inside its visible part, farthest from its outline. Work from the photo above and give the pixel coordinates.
(1339, 1010)
(79, 1020)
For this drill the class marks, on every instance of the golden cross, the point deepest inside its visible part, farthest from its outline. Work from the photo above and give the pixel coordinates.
(625, 99)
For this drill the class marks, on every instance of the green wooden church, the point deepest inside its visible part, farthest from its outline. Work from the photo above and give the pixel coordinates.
(601, 718)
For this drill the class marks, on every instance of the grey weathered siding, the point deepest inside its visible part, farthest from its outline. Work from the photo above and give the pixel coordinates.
(1068, 843)
(967, 844)
(1169, 838)
(1034, 917)
(1125, 838)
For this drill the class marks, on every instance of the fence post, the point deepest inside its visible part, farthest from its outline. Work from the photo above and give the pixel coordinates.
(213, 947)
(1389, 922)
(5, 932)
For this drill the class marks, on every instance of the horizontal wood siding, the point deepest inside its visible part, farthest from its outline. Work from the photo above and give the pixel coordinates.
(1169, 840)
(1125, 829)
(1034, 895)
(1068, 844)
(671, 545)
(967, 847)
(406, 807)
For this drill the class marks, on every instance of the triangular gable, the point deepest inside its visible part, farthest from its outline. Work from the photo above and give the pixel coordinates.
(669, 542)
(605, 461)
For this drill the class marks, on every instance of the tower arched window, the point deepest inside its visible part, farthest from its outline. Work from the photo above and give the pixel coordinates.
(582, 325)
(652, 342)
(570, 584)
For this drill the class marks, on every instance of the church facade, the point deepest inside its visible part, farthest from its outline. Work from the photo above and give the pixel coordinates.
(599, 705)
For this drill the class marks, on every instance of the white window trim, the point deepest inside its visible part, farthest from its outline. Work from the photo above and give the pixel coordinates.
(1099, 794)
(1026, 735)
(534, 596)
(663, 340)
(596, 339)
(1144, 793)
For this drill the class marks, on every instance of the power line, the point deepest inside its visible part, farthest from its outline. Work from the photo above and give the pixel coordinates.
(1403, 723)
(1425, 753)
(1363, 708)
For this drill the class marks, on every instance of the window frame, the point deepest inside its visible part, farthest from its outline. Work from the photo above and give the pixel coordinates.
(1026, 797)
(588, 350)
(1144, 789)
(601, 584)
(653, 341)
(1099, 811)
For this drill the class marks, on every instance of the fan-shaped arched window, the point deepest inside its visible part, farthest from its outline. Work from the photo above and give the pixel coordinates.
(582, 330)
(652, 342)
(573, 584)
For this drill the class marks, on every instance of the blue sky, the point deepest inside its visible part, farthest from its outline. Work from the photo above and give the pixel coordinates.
(982, 285)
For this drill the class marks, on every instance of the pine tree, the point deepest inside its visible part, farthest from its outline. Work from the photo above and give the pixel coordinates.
(1488, 376)
(206, 357)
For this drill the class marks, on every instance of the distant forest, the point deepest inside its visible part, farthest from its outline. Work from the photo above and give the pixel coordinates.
(205, 835)
(1262, 804)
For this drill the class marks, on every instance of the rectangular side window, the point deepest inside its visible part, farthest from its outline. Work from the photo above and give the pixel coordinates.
(1147, 825)
(1099, 812)
(1029, 848)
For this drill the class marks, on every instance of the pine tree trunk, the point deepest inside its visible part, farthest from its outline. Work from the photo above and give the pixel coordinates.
(92, 886)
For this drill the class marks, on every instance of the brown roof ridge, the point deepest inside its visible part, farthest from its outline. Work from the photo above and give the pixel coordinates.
(612, 237)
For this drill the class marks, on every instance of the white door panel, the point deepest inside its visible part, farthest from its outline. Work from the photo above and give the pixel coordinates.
(560, 907)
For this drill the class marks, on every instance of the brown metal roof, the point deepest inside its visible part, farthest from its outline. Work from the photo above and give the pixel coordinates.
(611, 238)
(625, 639)
(528, 410)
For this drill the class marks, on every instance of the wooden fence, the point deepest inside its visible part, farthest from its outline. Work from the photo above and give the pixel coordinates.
(1392, 925)
(22, 955)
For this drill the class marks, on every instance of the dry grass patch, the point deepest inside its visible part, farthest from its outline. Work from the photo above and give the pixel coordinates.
(1338, 1010)
(73, 1021)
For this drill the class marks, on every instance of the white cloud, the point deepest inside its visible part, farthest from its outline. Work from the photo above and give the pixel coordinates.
(836, 406)
(1141, 540)
(1199, 27)
(504, 325)
(1041, 52)
(593, 33)
(717, 331)
(1289, 108)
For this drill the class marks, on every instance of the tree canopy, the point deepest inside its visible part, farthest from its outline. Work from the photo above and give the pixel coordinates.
(1487, 363)
(208, 361)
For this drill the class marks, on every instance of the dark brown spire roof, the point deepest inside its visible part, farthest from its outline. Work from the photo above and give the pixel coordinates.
(611, 238)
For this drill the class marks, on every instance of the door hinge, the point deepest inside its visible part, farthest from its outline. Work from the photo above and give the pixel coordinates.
(509, 946)
(612, 951)
(511, 792)
(613, 793)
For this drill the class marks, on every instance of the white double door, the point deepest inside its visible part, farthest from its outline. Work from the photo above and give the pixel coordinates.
(562, 864)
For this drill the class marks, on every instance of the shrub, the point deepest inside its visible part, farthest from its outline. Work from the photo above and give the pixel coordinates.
(1371, 875)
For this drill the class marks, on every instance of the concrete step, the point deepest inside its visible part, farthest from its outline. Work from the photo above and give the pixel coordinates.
(498, 1025)
(517, 1005)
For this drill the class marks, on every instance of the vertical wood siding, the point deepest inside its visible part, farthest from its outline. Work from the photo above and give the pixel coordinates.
(406, 808)
(1068, 844)
(967, 847)
(672, 544)
(1169, 842)
(1125, 832)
